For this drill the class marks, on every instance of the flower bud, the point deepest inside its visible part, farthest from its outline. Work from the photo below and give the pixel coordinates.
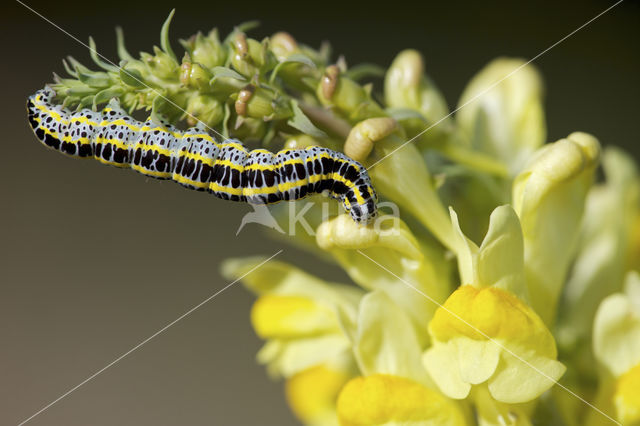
(207, 51)
(406, 86)
(396, 164)
(260, 103)
(205, 108)
(250, 57)
(345, 95)
(606, 248)
(344, 233)
(283, 45)
(549, 197)
(363, 135)
(500, 111)
(249, 129)
(161, 64)
(194, 75)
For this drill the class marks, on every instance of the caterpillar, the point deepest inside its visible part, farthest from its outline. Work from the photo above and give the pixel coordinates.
(194, 159)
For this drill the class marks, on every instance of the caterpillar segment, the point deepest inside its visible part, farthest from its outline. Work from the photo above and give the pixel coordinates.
(194, 159)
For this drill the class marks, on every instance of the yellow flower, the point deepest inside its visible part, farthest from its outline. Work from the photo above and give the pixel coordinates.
(312, 394)
(299, 315)
(627, 397)
(501, 111)
(407, 86)
(394, 164)
(365, 253)
(395, 388)
(616, 344)
(485, 336)
(549, 197)
(605, 253)
(382, 399)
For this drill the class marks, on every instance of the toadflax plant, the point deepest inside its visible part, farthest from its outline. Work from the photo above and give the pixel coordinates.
(503, 291)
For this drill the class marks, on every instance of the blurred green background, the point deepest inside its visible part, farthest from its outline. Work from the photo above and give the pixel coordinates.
(94, 259)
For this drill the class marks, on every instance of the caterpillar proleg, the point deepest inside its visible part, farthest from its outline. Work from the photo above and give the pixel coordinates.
(195, 160)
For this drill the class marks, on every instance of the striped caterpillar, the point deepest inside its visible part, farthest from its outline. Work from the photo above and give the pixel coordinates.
(195, 160)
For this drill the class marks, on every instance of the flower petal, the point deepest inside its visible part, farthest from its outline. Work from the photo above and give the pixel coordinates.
(501, 257)
(524, 378)
(286, 317)
(386, 341)
(389, 400)
(312, 394)
(285, 358)
(441, 361)
(616, 330)
(549, 198)
(480, 360)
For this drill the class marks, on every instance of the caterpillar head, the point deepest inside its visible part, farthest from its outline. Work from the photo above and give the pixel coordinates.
(365, 211)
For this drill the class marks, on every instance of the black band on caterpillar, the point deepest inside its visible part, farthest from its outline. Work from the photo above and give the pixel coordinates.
(195, 160)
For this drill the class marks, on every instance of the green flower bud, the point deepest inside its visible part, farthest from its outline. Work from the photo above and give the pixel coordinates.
(346, 96)
(283, 45)
(250, 57)
(207, 51)
(206, 109)
(249, 129)
(161, 64)
(194, 75)
(260, 103)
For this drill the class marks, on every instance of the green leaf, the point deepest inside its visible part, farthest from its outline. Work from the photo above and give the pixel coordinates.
(360, 71)
(85, 102)
(301, 122)
(96, 59)
(122, 50)
(82, 91)
(164, 36)
(401, 114)
(77, 66)
(69, 69)
(132, 77)
(107, 94)
(95, 79)
(225, 72)
(225, 121)
(294, 58)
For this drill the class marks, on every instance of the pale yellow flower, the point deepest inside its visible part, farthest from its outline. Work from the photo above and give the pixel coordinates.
(375, 256)
(298, 314)
(395, 388)
(616, 344)
(486, 338)
(301, 317)
(605, 253)
(549, 197)
(501, 111)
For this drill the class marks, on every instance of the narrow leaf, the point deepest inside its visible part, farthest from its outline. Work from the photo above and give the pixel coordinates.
(164, 36)
(301, 122)
(96, 59)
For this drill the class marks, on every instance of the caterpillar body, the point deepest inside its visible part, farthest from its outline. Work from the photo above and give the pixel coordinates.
(195, 160)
